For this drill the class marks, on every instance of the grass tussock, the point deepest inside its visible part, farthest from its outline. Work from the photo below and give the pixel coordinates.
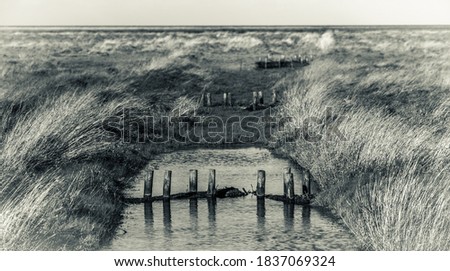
(61, 180)
(389, 177)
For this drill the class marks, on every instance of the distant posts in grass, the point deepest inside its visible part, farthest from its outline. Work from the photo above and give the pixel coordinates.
(261, 184)
(226, 99)
(274, 96)
(207, 100)
(260, 97)
(167, 184)
(255, 100)
(211, 183)
(193, 180)
(148, 185)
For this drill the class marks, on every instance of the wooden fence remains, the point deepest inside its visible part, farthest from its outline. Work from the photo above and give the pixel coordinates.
(228, 192)
(257, 100)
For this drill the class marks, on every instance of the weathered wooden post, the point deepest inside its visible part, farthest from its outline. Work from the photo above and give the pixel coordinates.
(255, 100)
(148, 186)
(229, 99)
(193, 180)
(260, 97)
(306, 182)
(265, 63)
(208, 99)
(286, 171)
(167, 184)
(290, 186)
(211, 183)
(261, 184)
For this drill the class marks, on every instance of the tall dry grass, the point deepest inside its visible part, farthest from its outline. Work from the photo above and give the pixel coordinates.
(389, 178)
(61, 178)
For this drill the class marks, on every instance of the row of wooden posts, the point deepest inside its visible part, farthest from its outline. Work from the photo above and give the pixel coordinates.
(258, 99)
(288, 183)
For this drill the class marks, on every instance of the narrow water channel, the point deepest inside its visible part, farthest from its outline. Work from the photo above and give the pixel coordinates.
(230, 223)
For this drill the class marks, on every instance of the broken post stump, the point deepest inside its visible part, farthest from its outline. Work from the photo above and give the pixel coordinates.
(211, 183)
(306, 182)
(290, 186)
(167, 183)
(261, 184)
(286, 171)
(148, 185)
(193, 180)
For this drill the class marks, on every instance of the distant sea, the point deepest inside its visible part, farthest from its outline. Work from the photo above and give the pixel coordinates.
(289, 28)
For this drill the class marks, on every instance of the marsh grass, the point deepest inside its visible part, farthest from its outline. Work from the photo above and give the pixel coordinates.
(389, 180)
(62, 183)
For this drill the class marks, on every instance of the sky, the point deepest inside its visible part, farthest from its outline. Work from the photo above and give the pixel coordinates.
(224, 12)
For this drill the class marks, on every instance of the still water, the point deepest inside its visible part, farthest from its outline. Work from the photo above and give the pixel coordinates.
(231, 223)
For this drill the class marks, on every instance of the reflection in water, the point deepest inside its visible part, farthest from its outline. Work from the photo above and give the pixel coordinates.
(193, 208)
(193, 213)
(167, 217)
(148, 217)
(289, 216)
(212, 203)
(227, 224)
(261, 220)
(306, 215)
(261, 207)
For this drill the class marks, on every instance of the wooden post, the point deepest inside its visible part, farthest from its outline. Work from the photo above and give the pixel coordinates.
(208, 99)
(167, 183)
(193, 180)
(260, 97)
(148, 185)
(274, 96)
(225, 98)
(286, 171)
(290, 186)
(303, 180)
(229, 99)
(306, 183)
(212, 183)
(255, 100)
(261, 184)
